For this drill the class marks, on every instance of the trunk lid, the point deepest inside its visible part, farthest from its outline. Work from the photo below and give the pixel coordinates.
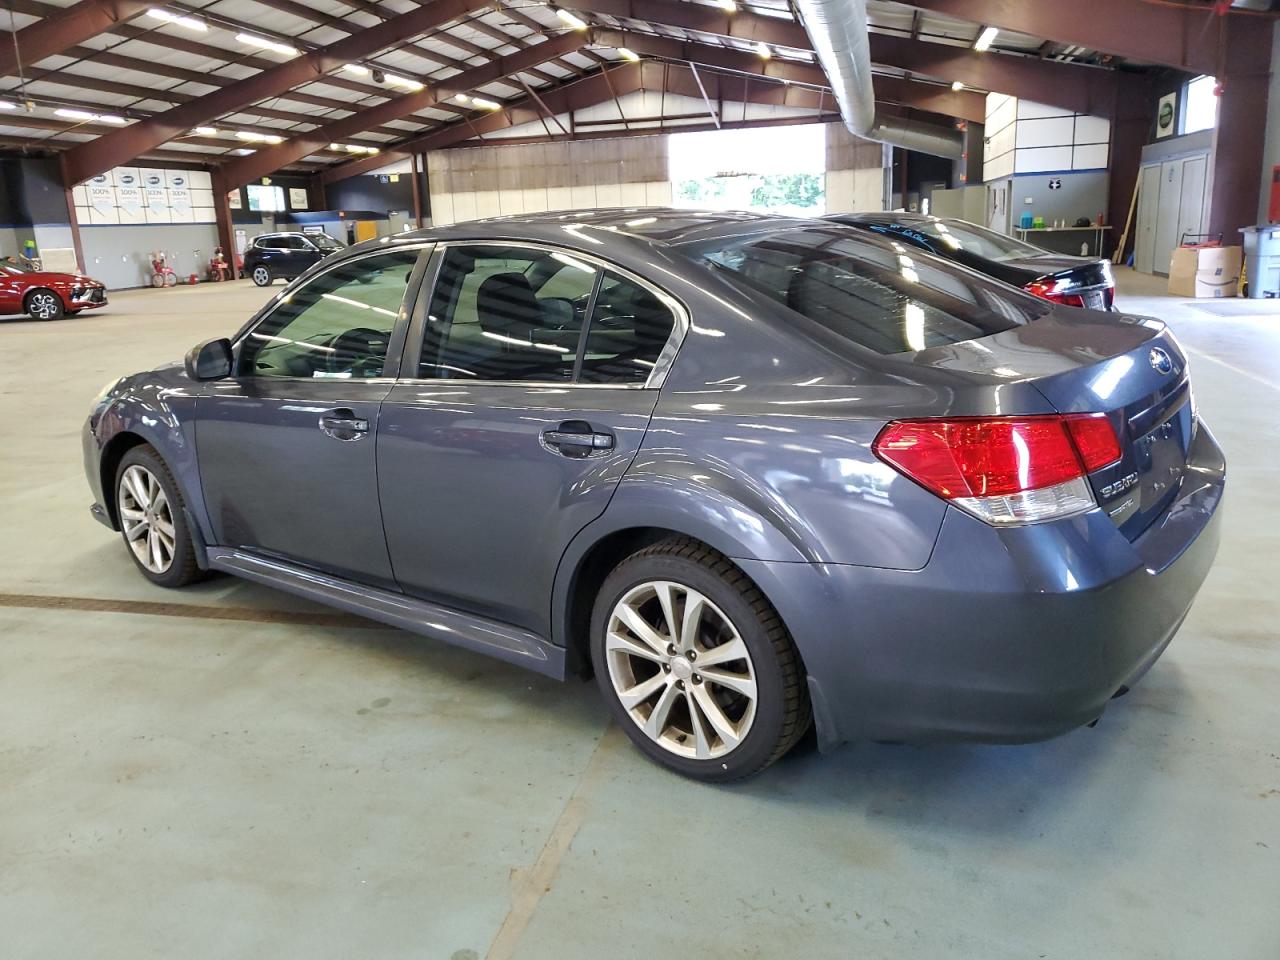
(1080, 281)
(1130, 369)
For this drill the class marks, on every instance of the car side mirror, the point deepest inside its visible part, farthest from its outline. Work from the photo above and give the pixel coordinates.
(210, 360)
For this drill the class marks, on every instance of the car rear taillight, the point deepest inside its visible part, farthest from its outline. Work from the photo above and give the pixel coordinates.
(1048, 290)
(1004, 469)
(1059, 292)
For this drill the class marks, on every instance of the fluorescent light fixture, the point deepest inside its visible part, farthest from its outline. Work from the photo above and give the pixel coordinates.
(264, 44)
(404, 83)
(574, 21)
(191, 23)
(462, 98)
(243, 152)
(6, 105)
(484, 104)
(728, 6)
(985, 39)
(628, 54)
(85, 116)
(254, 137)
(205, 131)
(359, 69)
(353, 148)
(957, 86)
(762, 48)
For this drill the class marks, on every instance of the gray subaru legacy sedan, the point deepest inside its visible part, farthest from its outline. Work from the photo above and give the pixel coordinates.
(757, 474)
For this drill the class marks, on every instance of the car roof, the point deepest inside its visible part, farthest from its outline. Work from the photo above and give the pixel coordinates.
(659, 225)
(883, 219)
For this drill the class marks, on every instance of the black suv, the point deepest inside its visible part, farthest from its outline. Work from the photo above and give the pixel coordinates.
(286, 255)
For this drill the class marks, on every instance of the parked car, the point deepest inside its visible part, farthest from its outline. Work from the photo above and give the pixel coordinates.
(1073, 281)
(283, 256)
(47, 295)
(750, 470)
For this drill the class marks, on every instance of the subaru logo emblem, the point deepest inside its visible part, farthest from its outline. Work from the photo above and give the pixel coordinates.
(1160, 361)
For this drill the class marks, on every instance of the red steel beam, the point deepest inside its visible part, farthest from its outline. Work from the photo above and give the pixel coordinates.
(576, 94)
(1178, 35)
(1071, 86)
(265, 161)
(935, 98)
(90, 159)
(64, 29)
(1074, 87)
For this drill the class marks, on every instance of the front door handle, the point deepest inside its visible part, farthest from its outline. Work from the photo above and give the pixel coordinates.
(577, 438)
(343, 424)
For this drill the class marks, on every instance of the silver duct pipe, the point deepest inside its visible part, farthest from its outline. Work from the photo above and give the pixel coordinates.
(838, 31)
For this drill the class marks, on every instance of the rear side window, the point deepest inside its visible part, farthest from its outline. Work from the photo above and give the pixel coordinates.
(629, 327)
(886, 297)
(513, 313)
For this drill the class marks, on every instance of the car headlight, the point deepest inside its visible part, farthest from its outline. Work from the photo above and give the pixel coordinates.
(105, 392)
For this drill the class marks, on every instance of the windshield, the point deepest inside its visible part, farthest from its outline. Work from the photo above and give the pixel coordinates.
(325, 241)
(14, 267)
(963, 235)
(880, 295)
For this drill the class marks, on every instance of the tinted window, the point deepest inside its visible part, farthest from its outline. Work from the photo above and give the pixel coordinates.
(506, 313)
(882, 295)
(338, 326)
(629, 328)
(962, 235)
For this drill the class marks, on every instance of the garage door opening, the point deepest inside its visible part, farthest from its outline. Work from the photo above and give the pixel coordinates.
(745, 170)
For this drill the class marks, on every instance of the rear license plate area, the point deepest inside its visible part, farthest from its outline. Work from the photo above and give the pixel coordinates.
(1094, 300)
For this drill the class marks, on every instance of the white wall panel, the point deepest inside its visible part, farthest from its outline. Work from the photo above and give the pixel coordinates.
(1030, 110)
(1047, 132)
(487, 204)
(632, 195)
(1089, 157)
(441, 209)
(1092, 130)
(510, 202)
(559, 198)
(1042, 159)
(608, 195)
(583, 197)
(658, 193)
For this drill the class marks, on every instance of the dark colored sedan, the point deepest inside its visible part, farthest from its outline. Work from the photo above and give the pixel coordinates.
(46, 295)
(1073, 281)
(283, 256)
(752, 471)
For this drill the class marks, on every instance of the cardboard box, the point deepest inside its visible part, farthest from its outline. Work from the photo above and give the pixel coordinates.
(1205, 272)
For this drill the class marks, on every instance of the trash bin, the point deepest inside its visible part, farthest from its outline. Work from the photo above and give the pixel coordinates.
(1262, 260)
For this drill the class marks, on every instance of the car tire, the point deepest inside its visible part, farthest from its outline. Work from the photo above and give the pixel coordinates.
(153, 522)
(70, 313)
(42, 304)
(711, 716)
(261, 275)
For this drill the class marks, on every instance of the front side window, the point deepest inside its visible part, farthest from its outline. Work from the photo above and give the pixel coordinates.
(506, 313)
(882, 296)
(338, 326)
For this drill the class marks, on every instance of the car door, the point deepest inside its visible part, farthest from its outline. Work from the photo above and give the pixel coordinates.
(534, 378)
(286, 445)
(13, 287)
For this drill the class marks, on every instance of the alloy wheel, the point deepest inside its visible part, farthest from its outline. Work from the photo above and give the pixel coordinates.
(681, 670)
(44, 305)
(261, 276)
(147, 519)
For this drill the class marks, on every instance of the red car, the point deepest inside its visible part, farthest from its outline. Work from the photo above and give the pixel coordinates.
(47, 296)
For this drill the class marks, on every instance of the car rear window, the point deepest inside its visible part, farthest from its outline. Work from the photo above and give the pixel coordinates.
(882, 295)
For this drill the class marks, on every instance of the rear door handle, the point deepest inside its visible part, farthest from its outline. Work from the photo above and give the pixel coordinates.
(343, 424)
(576, 438)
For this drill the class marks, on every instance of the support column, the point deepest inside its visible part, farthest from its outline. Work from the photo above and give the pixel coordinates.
(1240, 139)
(222, 215)
(417, 190)
(74, 222)
(1131, 118)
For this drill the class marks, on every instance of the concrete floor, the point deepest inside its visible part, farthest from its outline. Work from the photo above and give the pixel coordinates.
(289, 785)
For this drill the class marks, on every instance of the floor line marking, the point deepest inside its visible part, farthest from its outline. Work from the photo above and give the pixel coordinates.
(1232, 367)
(31, 601)
(540, 877)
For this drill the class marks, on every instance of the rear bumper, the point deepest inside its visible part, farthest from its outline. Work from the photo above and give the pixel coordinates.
(1005, 635)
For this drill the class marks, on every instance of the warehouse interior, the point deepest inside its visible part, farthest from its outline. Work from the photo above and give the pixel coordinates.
(231, 770)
